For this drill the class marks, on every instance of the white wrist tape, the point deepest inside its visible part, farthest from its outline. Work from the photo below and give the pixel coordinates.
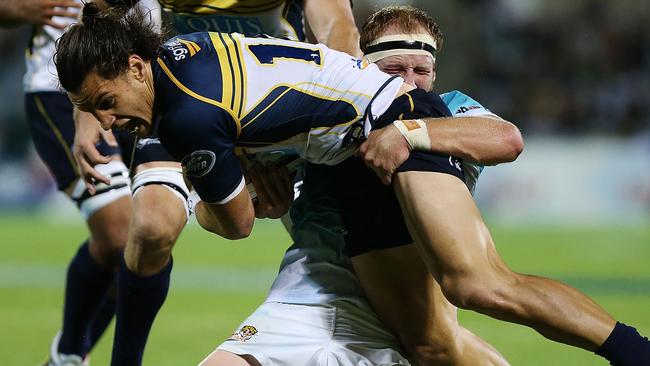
(415, 132)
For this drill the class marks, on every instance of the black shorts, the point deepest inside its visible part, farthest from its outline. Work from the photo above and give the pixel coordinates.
(353, 197)
(49, 116)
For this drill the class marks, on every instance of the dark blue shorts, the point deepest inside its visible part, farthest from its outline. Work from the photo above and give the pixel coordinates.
(369, 212)
(49, 116)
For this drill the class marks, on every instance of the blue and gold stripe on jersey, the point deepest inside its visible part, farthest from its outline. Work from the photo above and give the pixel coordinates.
(207, 67)
(233, 72)
(287, 111)
(204, 7)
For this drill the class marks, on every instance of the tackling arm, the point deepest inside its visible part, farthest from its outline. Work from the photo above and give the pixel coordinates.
(486, 140)
(332, 23)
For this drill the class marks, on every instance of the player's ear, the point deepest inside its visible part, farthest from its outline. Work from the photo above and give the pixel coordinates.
(137, 67)
(434, 74)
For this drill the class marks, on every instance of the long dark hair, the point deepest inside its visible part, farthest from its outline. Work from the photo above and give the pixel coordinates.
(103, 42)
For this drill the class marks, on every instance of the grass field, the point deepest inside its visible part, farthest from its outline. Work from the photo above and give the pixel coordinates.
(217, 283)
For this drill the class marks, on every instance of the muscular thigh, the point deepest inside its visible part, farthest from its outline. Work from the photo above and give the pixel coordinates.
(444, 220)
(405, 295)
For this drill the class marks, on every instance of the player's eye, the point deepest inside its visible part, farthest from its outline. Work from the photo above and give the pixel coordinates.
(422, 71)
(106, 103)
(393, 70)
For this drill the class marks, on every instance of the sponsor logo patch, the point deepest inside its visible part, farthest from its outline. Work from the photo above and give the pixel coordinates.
(148, 141)
(198, 163)
(244, 334)
(455, 162)
(180, 48)
(465, 109)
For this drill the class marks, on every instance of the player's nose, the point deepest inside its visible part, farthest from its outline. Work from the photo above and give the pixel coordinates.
(409, 76)
(106, 120)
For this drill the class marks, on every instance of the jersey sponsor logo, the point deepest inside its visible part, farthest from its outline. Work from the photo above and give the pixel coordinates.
(360, 64)
(198, 163)
(455, 162)
(218, 23)
(465, 109)
(144, 142)
(355, 135)
(180, 48)
(244, 334)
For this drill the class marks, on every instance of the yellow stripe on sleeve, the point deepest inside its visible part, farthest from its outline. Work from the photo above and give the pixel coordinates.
(226, 71)
(236, 73)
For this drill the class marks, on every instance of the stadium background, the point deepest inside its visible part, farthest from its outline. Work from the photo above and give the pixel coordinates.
(575, 206)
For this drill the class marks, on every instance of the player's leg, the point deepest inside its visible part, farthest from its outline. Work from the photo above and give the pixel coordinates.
(89, 301)
(91, 271)
(410, 303)
(459, 251)
(159, 214)
(375, 236)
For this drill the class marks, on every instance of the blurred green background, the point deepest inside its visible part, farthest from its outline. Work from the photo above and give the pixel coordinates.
(217, 283)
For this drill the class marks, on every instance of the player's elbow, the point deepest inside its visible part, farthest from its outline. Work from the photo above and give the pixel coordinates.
(239, 233)
(232, 230)
(240, 229)
(513, 142)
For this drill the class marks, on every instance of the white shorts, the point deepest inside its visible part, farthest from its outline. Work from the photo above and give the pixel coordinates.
(339, 334)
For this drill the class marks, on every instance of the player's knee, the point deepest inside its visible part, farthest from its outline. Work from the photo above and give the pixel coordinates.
(154, 232)
(109, 227)
(160, 208)
(109, 243)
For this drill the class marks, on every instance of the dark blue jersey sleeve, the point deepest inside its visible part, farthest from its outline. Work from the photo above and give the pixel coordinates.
(197, 134)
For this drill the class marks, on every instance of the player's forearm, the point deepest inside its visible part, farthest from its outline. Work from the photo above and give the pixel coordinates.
(232, 220)
(332, 23)
(206, 219)
(483, 140)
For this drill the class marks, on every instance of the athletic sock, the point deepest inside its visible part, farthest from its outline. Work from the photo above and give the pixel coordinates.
(138, 302)
(625, 347)
(101, 321)
(86, 284)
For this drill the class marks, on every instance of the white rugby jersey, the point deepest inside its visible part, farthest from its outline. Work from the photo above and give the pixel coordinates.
(41, 72)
